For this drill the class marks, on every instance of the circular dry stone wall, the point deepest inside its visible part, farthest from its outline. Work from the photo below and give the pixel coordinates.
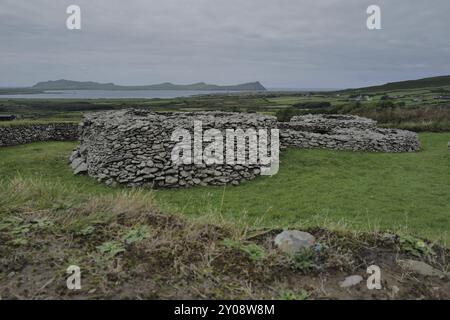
(345, 132)
(134, 148)
(11, 135)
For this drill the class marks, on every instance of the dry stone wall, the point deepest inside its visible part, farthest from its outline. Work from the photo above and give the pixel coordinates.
(133, 147)
(344, 132)
(324, 123)
(12, 135)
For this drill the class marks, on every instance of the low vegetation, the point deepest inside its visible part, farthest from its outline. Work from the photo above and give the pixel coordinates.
(127, 248)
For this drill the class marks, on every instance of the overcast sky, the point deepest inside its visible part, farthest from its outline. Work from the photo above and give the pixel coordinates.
(282, 43)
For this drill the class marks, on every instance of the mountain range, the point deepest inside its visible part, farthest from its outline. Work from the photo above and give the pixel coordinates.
(89, 85)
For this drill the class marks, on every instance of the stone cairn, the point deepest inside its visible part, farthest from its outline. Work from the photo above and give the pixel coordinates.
(133, 147)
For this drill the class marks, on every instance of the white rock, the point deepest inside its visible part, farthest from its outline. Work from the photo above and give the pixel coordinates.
(293, 241)
(74, 155)
(351, 281)
(82, 168)
(76, 162)
(171, 180)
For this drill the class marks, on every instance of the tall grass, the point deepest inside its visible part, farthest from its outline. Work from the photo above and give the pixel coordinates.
(435, 119)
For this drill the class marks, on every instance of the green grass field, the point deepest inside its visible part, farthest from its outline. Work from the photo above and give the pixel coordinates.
(407, 192)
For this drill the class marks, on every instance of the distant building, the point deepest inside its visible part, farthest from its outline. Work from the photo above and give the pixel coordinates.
(7, 117)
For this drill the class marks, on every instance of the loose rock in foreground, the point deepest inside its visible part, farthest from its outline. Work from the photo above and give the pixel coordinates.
(420, 267)
(294, 241)
(351, 281)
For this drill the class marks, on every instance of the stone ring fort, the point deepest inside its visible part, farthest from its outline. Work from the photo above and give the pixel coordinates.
(133, 147)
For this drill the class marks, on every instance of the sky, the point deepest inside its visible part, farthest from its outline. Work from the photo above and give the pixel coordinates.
(281, 43)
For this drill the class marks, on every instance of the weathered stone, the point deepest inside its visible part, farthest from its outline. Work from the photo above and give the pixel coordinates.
(75, 154)
(294, 241)
(420, 267)
(82, 168)
(76, 163)
(351, 281)
(171, 180)
(149, 170)
(27, 133)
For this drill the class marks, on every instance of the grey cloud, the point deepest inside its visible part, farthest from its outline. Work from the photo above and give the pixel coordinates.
(284, 43)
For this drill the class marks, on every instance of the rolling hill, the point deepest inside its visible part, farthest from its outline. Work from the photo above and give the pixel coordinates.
(441, 81)
(89, 85)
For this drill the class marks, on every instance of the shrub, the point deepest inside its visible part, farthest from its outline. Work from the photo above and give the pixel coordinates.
(111, 248)
(291, 295)
(436, 118)
(285, 115)
(415, 246)
(136, 235)
(254, 252)
(312, 105)
(384, 104)
(303, 260)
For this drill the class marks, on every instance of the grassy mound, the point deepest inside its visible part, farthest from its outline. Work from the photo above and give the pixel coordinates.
(127, 248)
